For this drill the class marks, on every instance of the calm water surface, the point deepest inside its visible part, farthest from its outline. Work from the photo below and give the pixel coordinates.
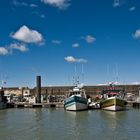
(58, 124)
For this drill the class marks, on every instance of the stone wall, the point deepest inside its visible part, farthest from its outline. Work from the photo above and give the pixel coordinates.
(91, 91)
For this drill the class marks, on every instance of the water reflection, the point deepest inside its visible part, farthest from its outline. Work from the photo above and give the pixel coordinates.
(113, 119)
(3, 114)
(112, 123)
(52, 124)
(37, 113)
(76, 123)
(73, 114)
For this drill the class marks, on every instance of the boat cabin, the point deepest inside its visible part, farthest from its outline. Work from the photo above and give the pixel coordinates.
(78, 92)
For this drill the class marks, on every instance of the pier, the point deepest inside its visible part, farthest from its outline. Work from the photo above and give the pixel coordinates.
(36, 105)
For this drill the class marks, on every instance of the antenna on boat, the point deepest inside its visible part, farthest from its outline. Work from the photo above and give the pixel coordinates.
(3, 79)
(108, 73)
(117, 74)
(75, 70)
(76, 77)
(82, 73)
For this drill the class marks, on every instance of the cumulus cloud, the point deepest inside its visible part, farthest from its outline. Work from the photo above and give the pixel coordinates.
(3, 51)
(8, 49)
(61, 4)
(71, 59)
(56, 41)
(133, 8)
(27, 35)
(89, 39)
(136, 35)
(75, 45)
(19, 47)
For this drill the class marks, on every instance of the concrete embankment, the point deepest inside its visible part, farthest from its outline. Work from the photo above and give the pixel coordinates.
(44, 105)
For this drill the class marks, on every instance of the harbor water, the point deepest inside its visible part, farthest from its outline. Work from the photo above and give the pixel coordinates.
(58, 124)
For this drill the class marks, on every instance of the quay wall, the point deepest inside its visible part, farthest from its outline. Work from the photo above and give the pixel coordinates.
(91, 91)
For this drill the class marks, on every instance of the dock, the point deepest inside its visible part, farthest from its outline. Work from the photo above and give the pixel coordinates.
(38, 105)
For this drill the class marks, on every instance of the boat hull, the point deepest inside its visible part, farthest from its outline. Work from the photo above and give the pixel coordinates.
(113, 104)
(76, 103)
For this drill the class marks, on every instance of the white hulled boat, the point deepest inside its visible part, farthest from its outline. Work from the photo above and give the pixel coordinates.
(76, 100)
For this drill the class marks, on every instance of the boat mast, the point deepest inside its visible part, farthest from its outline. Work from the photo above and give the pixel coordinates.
(75, 77)
(117, 74)
(83, 73)
(3, 80)
(108, 74)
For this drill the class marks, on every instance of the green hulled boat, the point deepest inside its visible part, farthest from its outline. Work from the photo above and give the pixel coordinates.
(113, 99)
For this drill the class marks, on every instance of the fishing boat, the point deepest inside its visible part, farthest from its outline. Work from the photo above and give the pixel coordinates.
(113, 99)
(76, 100)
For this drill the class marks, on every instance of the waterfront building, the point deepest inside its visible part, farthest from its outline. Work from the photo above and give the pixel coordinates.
(61, 91)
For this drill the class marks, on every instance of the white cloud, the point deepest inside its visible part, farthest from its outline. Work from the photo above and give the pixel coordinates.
(8, 49)
(133, 8)
(61, 4)
(90, 39)
(3, 51)
(71, 59)
(136, 35)
(75, 45)
(16, 3)
(33, 5)
(39, 15)
(116, 3)
(27, 35)
(20, 47)
(56, 41)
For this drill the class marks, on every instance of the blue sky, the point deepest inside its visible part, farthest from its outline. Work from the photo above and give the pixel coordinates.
(98, 40)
